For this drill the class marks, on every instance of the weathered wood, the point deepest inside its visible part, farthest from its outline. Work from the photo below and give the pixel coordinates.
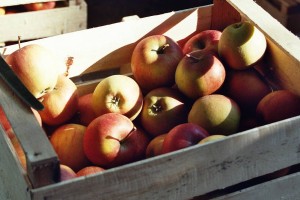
(193, 171)
(282, 188)
(41, 159)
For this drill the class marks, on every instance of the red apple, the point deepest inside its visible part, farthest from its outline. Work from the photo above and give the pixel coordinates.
(241, 45)
(37, 67)
(3, 120)
(86, 112)
(118, 94)
(18, 150)
(154, 61)
(155, 146)
(199, 73)
(246, 88)
(204, 40)
(89, 170)
(112, 139)
(67, 141)
(40, 6)
(61, 104)
(216, 113)
(278, 105)
(66, 173)
(182, 136)
(163, 108)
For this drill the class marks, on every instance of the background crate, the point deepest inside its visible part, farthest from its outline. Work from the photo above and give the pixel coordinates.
(286, 12)
(68, 16)
(188, 173)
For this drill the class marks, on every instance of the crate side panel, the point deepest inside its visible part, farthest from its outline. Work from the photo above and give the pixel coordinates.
(13, 184)
(67, 19)
(210, 167)
(286, 187)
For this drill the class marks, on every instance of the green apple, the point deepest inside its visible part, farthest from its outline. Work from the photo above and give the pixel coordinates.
(241, 45)
(216, 113)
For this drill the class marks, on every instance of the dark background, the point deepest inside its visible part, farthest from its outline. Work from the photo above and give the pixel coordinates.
(102, 12)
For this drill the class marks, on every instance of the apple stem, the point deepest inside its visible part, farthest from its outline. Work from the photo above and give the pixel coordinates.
(19, 41)
(161, 49)
(193, 57)
(69, 62)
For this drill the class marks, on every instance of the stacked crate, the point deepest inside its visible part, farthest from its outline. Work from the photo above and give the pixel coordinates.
(67, 16)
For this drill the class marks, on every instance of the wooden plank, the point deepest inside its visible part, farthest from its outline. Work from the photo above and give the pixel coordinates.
(286, 187)
(12, 176)
(25, 24)
(192, 171)
(41, 159)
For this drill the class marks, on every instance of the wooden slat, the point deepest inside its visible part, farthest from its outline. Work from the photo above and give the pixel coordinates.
(41, 159)
(282, 188)
(13, 180)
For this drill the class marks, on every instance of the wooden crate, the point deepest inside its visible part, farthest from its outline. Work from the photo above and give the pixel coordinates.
(286, 12)
(68, 16)
(189, 173)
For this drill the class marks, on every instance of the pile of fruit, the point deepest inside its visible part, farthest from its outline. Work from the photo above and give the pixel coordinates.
(177, 96)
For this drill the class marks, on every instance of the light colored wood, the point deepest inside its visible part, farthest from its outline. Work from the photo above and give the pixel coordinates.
(13, 181)
(193, 171)
(41, 159)
(50, 22)
(282, 188)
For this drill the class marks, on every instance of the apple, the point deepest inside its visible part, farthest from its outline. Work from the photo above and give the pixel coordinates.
(66, 173)
(2, 11)
(155, 145)
(85, 109)
(118, 94)
(61, 104)
(216, 113)
(163, 108)
(4, 121)
(199, 73)
(112, 139)
(278, 105)
(154, 61)
(182, 136)
(67, 141)
(40, 6)
(204, 40)
(37, 67)
(212, 138)
(241, 45)
(89, 170)
(246, 88)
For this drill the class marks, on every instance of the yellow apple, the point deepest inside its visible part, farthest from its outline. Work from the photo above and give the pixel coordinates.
(241, 45)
